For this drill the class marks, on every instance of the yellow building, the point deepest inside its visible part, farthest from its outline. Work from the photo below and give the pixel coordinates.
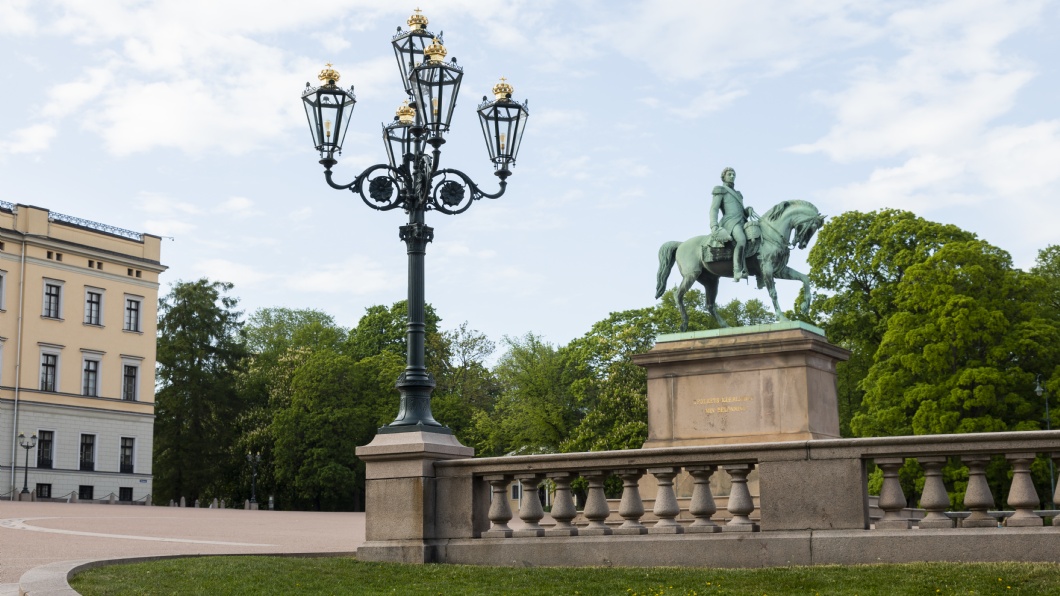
(78, 305)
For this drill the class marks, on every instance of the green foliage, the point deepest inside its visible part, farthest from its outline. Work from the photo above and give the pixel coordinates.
(856, 264)
(200, 354)
(383, 329)
(536, 411)
(961, 350)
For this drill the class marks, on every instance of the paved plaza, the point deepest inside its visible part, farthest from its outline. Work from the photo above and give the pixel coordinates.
(36, 534)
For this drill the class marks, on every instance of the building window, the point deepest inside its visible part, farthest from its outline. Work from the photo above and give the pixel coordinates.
(132, 313)
(90, 378)
(53, 300)
(88, 453)
(125, 493)
(45, 448)
(3, 289)
(44, 491)
(84, 493)
(128, 447)
(93, 306)
(49, 372)
(128, 382)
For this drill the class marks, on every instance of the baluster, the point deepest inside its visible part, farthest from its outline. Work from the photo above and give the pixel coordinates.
(935, 499)
(892, 499)
(740, 503)
(702, 506)
(596, 510)
(631, 508)
(666, 508)
(500, 512)
(1021, 495)
(530, 512)
(563, 510)
(977, 497)
(1056, 494)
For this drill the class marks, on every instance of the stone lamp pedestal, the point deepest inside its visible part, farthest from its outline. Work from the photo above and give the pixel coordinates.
(400, 492)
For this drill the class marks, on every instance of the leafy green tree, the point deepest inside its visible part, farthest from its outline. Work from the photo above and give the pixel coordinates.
(962, 349)
(200, 352)
(465, 383)
(383, 329)
(336, 405)
(535, 411)
(279, 341)
(856, 265)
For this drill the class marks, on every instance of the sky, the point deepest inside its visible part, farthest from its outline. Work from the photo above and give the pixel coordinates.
(183, 118)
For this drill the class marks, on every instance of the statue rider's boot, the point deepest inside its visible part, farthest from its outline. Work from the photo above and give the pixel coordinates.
(739, 265)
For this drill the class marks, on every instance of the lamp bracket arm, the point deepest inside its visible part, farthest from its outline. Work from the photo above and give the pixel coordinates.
(451, 197)
(387, 187)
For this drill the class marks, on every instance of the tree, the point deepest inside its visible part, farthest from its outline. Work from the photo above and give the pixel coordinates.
(465, 383)
(200, 352)
(383, 329)
(856, 265)
(536, 410)
(279, 341)
(961, 352)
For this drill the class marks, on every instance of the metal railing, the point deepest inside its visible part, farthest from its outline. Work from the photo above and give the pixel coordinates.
(95, 225)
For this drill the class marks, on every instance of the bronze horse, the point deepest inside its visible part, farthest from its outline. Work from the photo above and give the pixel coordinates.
(699, 259)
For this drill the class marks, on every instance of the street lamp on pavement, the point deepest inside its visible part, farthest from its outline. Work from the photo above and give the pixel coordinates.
(27, 445)
(1040, 391)
(253, 460)
(412, 179)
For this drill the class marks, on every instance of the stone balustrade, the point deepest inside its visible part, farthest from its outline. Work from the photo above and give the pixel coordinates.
(813, 505)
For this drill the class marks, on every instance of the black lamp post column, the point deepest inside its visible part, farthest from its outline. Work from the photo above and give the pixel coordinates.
(25, 471)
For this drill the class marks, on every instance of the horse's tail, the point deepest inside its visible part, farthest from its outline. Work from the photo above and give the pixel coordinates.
(667, 256)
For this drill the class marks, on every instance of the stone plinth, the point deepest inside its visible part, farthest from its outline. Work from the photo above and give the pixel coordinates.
(401, 492)
(756, 384)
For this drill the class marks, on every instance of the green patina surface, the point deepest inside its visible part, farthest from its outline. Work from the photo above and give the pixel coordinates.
(726, 331)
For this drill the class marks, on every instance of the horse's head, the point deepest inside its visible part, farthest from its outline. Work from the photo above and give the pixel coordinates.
(805, 229)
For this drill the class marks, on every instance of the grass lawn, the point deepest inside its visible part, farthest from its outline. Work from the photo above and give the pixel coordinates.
(341, 575)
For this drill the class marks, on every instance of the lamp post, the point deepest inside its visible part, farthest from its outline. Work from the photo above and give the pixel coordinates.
(1040, 391)
(412, 179)
(253, 460)
(27, 446)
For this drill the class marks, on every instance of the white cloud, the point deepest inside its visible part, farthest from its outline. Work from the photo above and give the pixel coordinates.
(242, 275)
(15, 18)
(31, 139)
(240, 207)
(356, 275)
(158, 204)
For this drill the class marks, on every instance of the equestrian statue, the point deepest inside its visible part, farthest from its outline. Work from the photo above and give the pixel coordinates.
(740, 244)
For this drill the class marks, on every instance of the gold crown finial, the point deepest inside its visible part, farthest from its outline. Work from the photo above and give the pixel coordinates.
(503, 90)
(329, 75)
(436, 51)
(417, 20)
(405, 113)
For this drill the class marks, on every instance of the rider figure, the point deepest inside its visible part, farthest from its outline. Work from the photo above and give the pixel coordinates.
(730, 202)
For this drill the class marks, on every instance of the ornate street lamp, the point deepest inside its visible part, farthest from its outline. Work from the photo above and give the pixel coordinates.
(253, 460)
(27, 446)
(1039, 391)
(411, 179)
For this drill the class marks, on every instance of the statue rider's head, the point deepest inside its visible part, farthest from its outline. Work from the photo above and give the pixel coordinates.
(728, 176)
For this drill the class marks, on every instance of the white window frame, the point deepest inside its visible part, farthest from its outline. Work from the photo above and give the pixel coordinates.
(91, 357)
(136, 445)
(44, 298)
(3, 289)
(139, 300)
(95, 450)
(102, 297)
(55, 438)
(51, 350)
(135, 363)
